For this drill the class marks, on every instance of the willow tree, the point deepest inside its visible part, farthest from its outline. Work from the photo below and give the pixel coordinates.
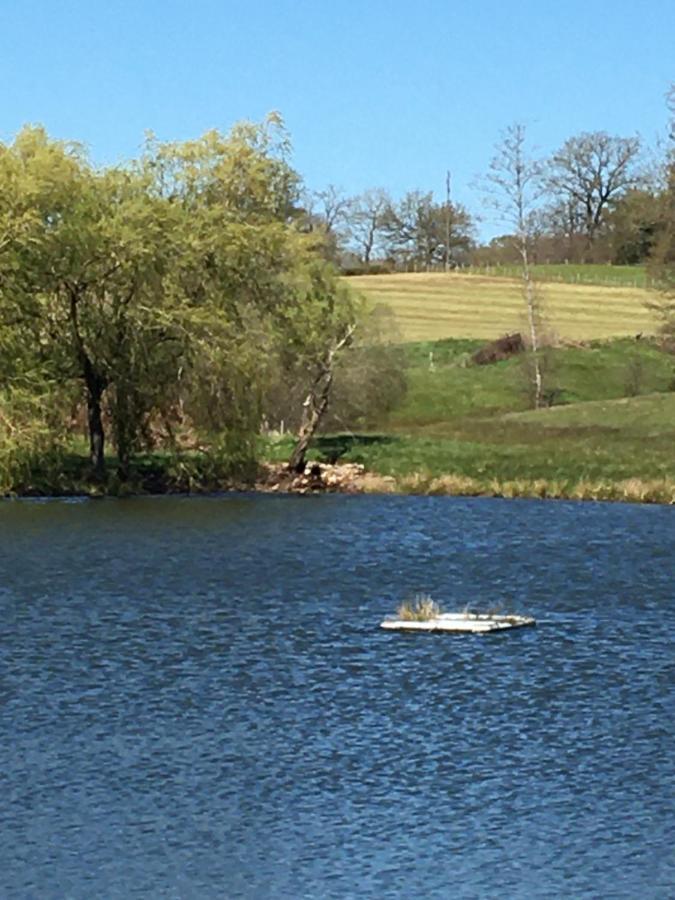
(318, 332)
(171, 286)
(252, 291)
(83, 278)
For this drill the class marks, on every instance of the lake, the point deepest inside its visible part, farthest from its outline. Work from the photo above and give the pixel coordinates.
(197, 701)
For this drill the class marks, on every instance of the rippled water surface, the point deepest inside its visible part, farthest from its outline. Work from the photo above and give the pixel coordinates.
(196, 700)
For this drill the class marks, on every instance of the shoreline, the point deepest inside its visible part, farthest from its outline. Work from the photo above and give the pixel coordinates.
(353, 478)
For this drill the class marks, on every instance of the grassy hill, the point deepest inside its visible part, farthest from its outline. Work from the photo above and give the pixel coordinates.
(446, 390)
(430, 306)
(468, 429)
(600, 450)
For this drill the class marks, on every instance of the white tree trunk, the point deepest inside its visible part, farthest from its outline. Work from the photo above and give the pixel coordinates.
(531, 303)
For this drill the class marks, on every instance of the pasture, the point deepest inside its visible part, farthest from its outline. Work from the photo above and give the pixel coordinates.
(467, 429)
(573, 273)
(432, 306)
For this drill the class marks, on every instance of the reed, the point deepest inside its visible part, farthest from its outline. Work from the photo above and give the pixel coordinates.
(630, 490)
(420, 609)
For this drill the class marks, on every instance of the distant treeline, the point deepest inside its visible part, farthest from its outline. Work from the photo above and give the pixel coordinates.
(600, 199)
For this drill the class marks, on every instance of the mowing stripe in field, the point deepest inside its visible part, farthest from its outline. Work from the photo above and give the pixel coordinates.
(434, 306)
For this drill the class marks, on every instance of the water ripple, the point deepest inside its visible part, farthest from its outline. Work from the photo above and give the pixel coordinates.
(195, 700)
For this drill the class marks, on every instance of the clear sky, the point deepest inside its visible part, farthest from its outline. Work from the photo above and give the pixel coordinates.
(374, 93)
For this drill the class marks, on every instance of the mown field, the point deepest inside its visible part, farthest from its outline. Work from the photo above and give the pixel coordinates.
(430, 306)
(588, 273)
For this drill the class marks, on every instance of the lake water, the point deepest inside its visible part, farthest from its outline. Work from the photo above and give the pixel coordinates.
(196, 700)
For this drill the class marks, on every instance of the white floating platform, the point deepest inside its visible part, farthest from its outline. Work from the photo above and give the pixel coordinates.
(472, 623)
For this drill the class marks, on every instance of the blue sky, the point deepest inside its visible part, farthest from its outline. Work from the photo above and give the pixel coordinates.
(373, 93)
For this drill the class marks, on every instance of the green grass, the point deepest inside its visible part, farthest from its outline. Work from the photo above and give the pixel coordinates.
(158, 472)
(444, 389)
(466, 429)
(469, 429)
(588, 273)
(512, 451)
(456, 305)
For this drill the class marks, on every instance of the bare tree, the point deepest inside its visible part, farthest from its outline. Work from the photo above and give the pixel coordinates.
(563, 223)
(417, 230)
(514, 187)
(589, 171)
(401, 226)
(326, 214)
(366, 221)
(331, 207)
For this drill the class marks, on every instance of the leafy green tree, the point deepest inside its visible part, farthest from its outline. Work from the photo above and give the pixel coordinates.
(633, 226)
(232, 281)
(662, 263)
(252, 289)
(82, 280)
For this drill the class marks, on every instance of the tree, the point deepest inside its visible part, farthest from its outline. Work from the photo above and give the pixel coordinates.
(258, 301)
(633, 227)
(365, 223)
(416, 231)
(322, 330)
(332, 207)
(234, 282)
(662, 262)
(328, 213)
(562, 228)
(588, 172)
(80, 282)
(514, 186)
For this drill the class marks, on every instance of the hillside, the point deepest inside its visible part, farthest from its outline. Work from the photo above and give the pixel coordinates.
(430, 306)
(606, 450)
(469, 429)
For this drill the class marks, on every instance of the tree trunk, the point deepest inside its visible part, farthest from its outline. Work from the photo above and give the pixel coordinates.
(314, 407)
(95, 388)
(122, 430)
(531, 303)
(534, 340)
(316, 403)
(95, 384)
(123, 462)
